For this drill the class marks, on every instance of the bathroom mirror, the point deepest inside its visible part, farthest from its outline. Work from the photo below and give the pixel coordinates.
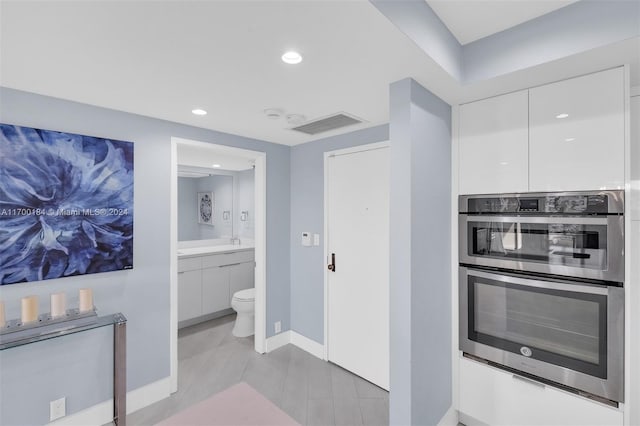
(205, 206)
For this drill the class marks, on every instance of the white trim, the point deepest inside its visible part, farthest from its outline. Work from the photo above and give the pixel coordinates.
(260, 244)
(102, 413)
(314, 348)
(351, 150)
(455, 189)
(173, 267)
(278, 341)
(450, 418)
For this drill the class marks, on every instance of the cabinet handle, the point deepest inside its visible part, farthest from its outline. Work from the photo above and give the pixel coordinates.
(230, 264)
(531, 382)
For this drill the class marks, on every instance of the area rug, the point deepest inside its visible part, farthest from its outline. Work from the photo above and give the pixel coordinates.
(238, 405)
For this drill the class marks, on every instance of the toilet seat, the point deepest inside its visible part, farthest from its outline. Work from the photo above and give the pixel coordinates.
(245, 295)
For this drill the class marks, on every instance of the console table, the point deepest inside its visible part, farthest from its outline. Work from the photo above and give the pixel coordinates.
(119, 323)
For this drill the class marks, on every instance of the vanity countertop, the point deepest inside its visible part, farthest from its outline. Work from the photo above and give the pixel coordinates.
(200, 251)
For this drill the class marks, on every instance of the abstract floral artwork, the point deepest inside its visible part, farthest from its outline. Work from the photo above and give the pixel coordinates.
(66, 204)
(205, 208)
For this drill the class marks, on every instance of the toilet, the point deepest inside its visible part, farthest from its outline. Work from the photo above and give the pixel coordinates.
(243, 302)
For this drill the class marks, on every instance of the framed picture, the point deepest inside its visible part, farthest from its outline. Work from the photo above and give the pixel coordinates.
(205, 208)
(66, 204)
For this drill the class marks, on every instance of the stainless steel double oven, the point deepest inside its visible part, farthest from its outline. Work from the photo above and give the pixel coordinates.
(541, 286)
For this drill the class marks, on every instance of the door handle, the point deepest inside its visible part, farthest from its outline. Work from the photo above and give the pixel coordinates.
(332, 265)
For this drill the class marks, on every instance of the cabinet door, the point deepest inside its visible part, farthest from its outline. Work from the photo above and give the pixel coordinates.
(494, 145)
(215, 289)
(576, 139)
(189, 294)
(241, 277)
(496, 397)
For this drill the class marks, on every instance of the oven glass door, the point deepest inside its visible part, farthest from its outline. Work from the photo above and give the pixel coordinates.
(574, 242)
(550, 322)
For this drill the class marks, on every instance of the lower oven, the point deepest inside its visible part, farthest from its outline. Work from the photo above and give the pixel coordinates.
(561, 331)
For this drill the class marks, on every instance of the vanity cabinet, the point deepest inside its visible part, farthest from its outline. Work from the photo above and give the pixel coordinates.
(206, 283)
(576, 133)
(494, 145)
(564, 136)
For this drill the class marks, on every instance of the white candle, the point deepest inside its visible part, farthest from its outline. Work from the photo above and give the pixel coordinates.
(58, 305)
(2, 319)
(86, 300)
(29, 309)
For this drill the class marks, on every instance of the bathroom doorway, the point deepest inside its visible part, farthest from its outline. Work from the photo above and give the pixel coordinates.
(197, 158)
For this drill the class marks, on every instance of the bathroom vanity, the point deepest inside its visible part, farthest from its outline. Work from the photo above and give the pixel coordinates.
(207, 279)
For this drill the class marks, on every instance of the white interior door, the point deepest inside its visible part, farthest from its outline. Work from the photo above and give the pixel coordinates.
(358, 236)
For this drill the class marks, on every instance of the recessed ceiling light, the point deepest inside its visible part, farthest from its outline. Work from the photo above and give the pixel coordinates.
(503, 163)
(216, 166)
(273, 113)
(563, 115)
(570, 139)
(292, 57)
(199, 111)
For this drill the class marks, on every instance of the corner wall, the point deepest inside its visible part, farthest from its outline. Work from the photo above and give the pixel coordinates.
(420, 268)
(80, 366)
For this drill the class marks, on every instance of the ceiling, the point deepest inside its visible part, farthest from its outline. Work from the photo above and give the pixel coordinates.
(204, 157)
(471, 20)
(164, 58)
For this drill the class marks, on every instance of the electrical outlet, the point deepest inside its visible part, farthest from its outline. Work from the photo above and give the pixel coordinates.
(57, 408)
(277, 326)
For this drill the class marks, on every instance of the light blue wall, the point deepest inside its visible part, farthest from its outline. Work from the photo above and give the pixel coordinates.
(222, 188)
(307, 214)
(420, 263)
(78, 367)
(573, 29)
(419, 22)
(246, 186)
(187, 210)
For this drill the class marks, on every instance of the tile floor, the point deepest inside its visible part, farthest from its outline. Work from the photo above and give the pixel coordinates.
(310, 390)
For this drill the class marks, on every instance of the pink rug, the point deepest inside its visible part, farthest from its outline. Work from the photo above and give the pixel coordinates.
(238, 405)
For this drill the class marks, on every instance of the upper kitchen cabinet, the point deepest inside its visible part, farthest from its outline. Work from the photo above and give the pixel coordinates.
(576, 133)
(494, 145)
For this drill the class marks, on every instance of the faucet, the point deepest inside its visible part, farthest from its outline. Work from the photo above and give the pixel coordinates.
(234, 239)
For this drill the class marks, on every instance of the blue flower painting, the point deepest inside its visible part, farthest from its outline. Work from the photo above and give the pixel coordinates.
(66, 204)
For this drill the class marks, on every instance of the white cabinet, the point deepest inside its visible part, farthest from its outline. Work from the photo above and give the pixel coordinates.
(576, 133)
(215, 289)
(190, 294)
(496, 397)
(207, 283)
(564, 136)
(494, 145)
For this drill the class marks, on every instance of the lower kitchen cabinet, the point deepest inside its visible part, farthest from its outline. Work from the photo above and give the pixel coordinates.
(207, 283)
(495, 397)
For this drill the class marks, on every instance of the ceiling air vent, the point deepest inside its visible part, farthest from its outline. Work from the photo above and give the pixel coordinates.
(328, 123)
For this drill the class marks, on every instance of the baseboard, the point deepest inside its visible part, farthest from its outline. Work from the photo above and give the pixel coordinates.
(450, 418)
(102, 413)
(314, 348)
(279, 340)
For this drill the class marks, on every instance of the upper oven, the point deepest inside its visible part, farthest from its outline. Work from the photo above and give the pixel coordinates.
(578, 234)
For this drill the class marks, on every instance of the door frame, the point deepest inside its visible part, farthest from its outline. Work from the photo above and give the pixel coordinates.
(260, 243)
(327, 155)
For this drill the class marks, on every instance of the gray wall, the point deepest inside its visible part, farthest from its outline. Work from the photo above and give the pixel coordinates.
(246, 186)
(78, 367)
(187, 210)
(307, 214)
(222, 188)
(420, 133)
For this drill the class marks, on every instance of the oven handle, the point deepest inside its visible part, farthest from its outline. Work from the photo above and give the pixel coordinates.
(537, 219)
(553, 285)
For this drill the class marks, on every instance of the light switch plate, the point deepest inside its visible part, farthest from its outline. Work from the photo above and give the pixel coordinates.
(316, 239)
